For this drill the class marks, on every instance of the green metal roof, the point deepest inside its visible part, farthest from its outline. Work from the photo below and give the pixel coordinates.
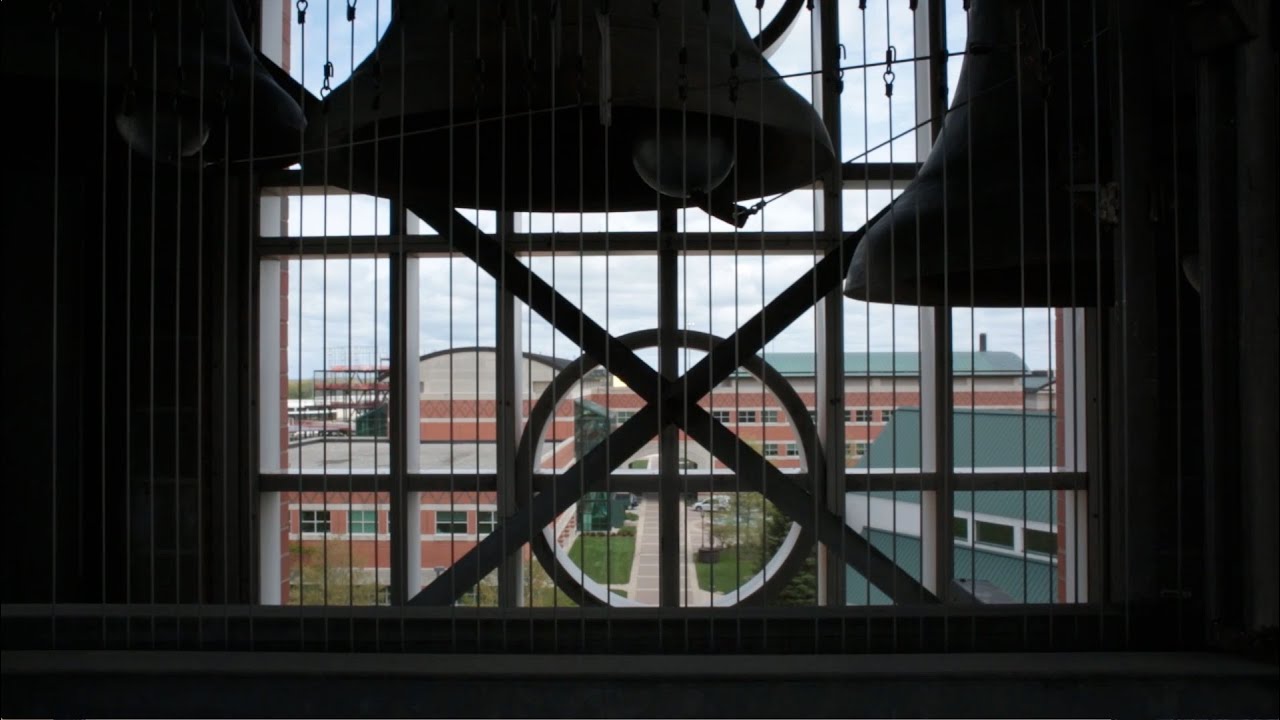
(900, 363)
(984, 439)
(1037, 381)
(1029, 580)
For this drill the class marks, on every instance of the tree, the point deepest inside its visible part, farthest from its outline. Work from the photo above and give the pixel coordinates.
(802, 590)
(323, 576)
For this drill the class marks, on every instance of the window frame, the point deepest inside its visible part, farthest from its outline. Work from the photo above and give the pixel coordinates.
(409, 477)
(436, 522)
(351, 522)
(1002, 528)
(315, 521)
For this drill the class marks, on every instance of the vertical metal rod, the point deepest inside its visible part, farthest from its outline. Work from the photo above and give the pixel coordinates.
(324, 339)
(508, 413)
(102, 360)
(352, 375)
(398, 394)
(669, 554)
(53, 386)
(1176, 267)
(151, 351)
(829, 366)
(250, 424)
(177, 369)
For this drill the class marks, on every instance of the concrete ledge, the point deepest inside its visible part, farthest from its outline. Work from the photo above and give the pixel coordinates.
(233, 684)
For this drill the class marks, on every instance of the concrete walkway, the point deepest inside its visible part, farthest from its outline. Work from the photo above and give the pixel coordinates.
(643, 583)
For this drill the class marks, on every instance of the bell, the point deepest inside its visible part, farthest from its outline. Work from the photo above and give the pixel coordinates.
(1002, 211)
(181, 76)
(569, 106)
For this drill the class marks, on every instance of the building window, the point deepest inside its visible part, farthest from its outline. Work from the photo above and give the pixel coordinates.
(859, 448)
(451, 522)
(995, 534)
(793, 450)
(848, 415)
(746, 416)
(624, 415)
(315, 521)
(863, 415)
(1040, 541)
(960, 528)
(721, 415)
(770, 416)
(886, 415)
(363, 522)
(771, 449)
(486, 521)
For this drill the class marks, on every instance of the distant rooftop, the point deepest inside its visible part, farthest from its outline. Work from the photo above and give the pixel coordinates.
(554, 362)
(900, 363)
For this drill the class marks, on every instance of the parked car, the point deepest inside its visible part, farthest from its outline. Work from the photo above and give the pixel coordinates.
(718, 502)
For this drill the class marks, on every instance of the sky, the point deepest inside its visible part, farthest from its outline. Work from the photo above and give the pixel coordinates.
(339, 307)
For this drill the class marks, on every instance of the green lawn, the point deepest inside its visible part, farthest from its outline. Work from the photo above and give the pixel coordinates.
(589, 552)
(731, 571)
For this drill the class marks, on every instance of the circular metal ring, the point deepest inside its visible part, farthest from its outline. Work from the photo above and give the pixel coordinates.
(569, 578)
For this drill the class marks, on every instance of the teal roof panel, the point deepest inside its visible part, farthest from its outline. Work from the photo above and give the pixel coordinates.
(899, 363)
(1029, 580)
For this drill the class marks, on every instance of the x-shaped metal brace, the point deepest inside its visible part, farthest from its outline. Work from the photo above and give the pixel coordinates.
(668, 402)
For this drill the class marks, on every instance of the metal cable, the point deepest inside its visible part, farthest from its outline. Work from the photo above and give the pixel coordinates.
(53, 386)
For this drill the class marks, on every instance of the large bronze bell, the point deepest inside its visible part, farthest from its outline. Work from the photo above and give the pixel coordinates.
(1004, 210)
(181, 76)
(568, 106)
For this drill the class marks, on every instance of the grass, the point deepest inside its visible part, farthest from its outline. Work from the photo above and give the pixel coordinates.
(632, 516)
(589, 552)
(731, 571)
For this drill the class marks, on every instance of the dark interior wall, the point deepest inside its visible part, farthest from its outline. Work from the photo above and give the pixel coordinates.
(106, 498)
(1259, 300)
(1152, 424)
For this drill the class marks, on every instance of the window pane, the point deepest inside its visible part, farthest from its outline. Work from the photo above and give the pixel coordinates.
(1017, 384)
(995, 534)
(1039, 541)
(870, 115)
(364, 522)
(450, 522)
(960, 528)
(456, 376)
(337, 214)
(333, 362)
(1005, 524)
(333, 551)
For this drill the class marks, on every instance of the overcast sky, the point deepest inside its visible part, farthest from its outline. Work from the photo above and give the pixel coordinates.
(337, 305)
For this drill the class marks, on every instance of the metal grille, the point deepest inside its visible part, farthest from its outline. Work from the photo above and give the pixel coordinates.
(380, 382)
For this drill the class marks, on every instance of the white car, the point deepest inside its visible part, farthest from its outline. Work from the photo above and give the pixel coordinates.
(718, 502)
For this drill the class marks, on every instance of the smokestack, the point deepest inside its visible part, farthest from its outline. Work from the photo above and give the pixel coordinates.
(982, 342)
